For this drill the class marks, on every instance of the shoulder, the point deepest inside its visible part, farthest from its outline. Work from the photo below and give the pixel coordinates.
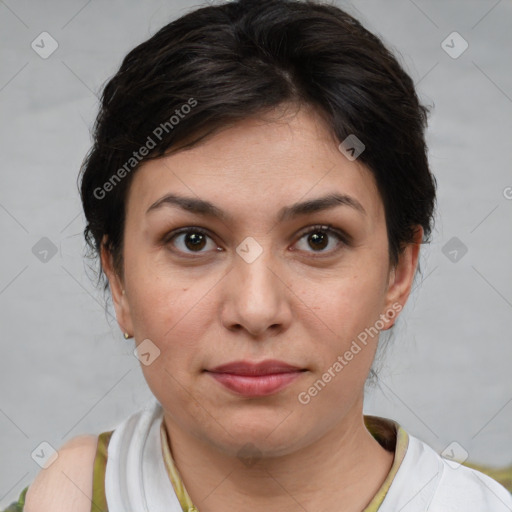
(67, 483)
(464, 488)
(458, 488)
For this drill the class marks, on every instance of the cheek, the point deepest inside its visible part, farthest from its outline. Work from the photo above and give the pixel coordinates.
(350, 303)
(162, 296)
(170, 313)
(346, 312)
(173, 315)
(344, 346)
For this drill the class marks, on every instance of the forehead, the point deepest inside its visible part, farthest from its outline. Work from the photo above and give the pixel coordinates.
(258, 165)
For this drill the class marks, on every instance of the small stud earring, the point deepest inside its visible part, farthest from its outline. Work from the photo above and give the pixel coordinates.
(127, 336)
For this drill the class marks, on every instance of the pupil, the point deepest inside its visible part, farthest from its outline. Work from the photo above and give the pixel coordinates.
(196, 240)
(318, 239)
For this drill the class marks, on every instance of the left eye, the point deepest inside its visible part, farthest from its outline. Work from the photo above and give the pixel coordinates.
(318, 238)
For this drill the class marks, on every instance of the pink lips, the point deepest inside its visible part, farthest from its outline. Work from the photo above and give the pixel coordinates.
(255, 379)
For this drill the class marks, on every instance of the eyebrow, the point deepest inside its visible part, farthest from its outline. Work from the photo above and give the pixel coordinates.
(202, 207)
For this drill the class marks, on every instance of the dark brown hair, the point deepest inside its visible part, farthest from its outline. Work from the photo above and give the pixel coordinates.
(223, 63)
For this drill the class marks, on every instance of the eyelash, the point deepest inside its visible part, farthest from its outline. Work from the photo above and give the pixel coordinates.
(326, 228)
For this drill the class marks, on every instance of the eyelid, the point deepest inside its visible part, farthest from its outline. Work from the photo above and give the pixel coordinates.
(329, 228)
(179, 231)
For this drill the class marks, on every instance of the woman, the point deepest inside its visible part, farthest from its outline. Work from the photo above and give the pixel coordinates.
(257, 192)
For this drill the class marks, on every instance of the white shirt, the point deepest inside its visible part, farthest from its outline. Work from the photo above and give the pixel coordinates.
(136, 478)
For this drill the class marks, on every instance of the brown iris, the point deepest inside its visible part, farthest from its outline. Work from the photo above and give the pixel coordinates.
(318, 239)
(194, 240)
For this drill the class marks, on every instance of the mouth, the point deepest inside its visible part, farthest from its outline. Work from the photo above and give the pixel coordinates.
(256, 379)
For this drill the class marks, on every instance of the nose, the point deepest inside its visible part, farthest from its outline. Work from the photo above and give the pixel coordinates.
(256, 297)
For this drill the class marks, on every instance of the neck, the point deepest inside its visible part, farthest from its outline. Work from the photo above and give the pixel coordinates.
(345, 467)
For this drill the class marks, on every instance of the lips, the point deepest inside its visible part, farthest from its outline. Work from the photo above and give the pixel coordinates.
(266, 367)
(256, 379)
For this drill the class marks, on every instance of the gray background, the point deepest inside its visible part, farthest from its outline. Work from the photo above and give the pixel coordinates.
(65, 368)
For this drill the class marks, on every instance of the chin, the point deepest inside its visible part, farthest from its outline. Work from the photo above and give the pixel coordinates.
(263, 435)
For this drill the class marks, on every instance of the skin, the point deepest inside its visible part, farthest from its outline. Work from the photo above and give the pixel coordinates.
(202, 309)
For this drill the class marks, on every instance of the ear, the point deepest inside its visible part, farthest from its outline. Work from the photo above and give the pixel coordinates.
(401, 277)
(116, 285)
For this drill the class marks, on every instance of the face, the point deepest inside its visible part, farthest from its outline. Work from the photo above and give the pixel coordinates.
(261, 280)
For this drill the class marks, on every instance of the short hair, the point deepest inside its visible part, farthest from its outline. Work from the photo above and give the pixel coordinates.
(223, 63)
